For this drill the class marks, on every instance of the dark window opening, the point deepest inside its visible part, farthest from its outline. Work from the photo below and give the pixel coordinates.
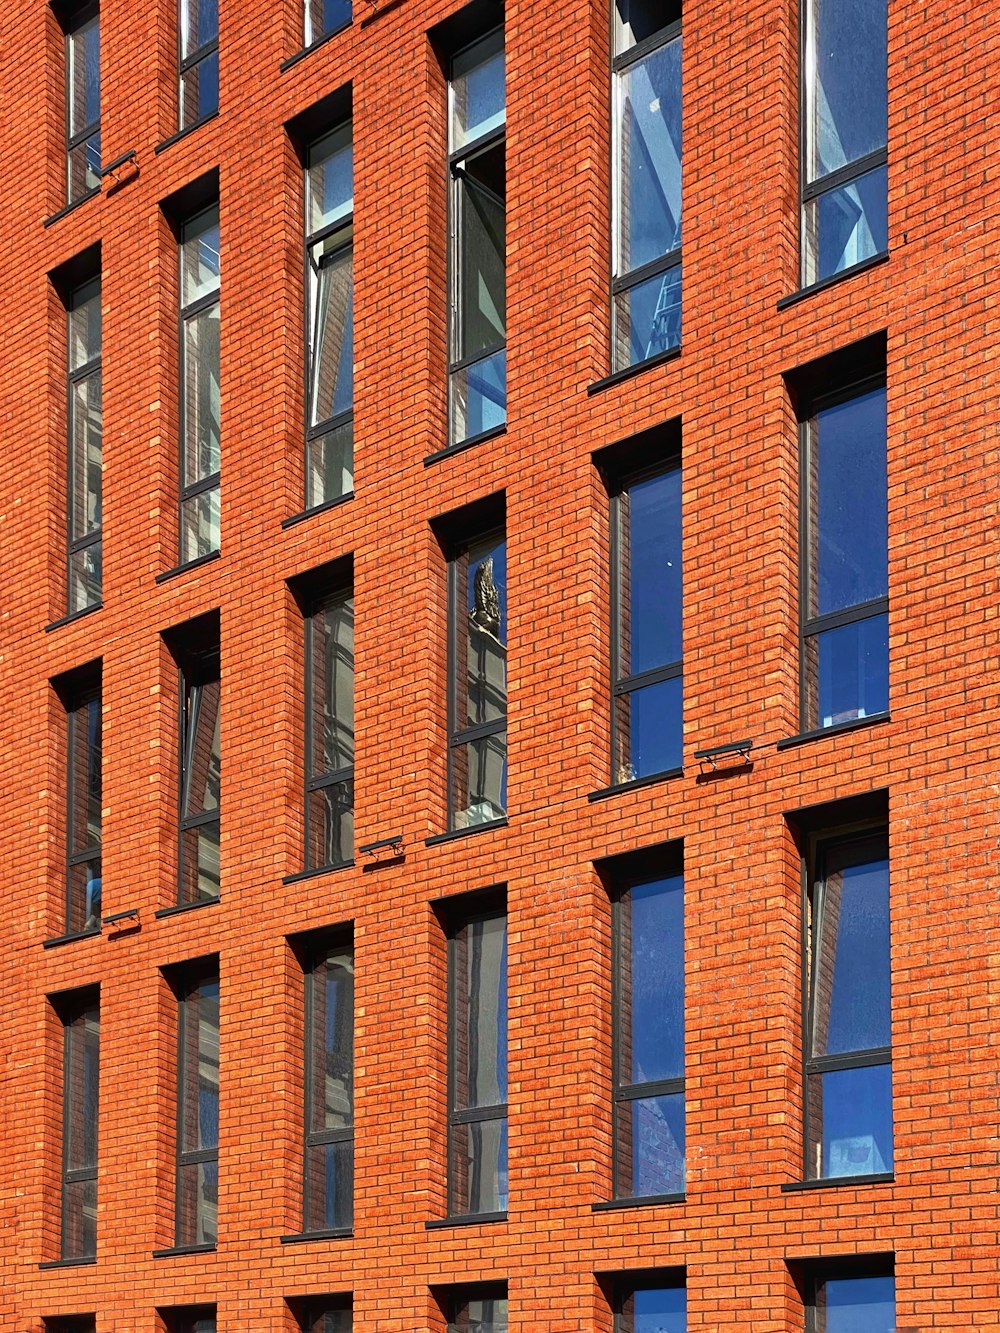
(329, 793)
(81, 695)
(81, 1020)
(197, 1197)
(328, 1188)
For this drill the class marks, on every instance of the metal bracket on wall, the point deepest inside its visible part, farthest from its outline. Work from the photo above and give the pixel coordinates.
(733, 751)
(115, 168)
(118, 920)
(392, 847)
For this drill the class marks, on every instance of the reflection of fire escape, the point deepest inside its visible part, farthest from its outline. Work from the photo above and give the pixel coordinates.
(487, 687)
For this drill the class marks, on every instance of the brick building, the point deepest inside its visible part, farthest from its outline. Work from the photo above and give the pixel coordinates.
(403, 932)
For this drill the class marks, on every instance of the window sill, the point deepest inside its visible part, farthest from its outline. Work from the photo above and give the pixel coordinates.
(185, 907)
(465, 832)
(795, 297)
(317, 509)
(464, 1220)
(314, 874)
(313, 46)
(69, 1263)
(644, 1200)
(621, 375)
(835, 1182)
(57, 940)
(73, 616)
(191, 564)
(604, 792)
(380, 9)
(183, 134)
(176, 1250)
(838, 730)
(70, 208)
(334, 1233)
(470, 443)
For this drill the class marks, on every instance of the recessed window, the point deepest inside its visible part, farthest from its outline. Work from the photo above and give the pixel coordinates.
(196, 1217)
(81, 1018)
(195, 647)
(200, 1319)
(477, 1309)
(83, 102)
(83, 1323)
(850, 1296)
(85, 422)
(656, 1305)
(200, 450)
(323, 17)
(198, 35)
(329, 1103)
(845, 124)
(84, 751)
(646, 286)
(329, 796)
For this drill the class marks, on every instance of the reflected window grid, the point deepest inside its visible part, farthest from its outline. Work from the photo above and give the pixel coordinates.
(81, 1076)
(328, 1179)
(197, 61)
(85, 457)
(200, 777)
(83, 812)
(200, 377)
(329, 749)
(83, 104)
(196, 1217)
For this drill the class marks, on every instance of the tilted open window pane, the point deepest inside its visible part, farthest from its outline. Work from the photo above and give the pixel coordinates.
(329, 1112)
(81, 1077)
(83, 815)
(83, 105)
(198, 1114)
(201, 777)
(331, 380)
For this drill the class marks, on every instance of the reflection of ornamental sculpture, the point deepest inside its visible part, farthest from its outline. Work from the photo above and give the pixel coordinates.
(486, 611)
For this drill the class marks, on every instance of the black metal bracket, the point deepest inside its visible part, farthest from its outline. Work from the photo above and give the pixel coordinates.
(118, 917)
(734, 750)
(113, 168)
(393, 846)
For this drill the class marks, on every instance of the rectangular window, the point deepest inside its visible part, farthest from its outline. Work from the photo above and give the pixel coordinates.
(647, 713)
(198, 1111)
(200, 454)
(85, 436)
(81, 1078)
(200, 773)
(198, 39)
(844, 135)
(329, 815)
(848, 1110)
(323, 17)
(83, 807)
(329, 196)
(326, 1315)
(477, 756)
(845, 603)
(851, 1296)
(197, 1320)
(477, 1124)
(478, 229)
(659, 1306)
(648, 1004)
(329, 1083)
(478, 1310)
(83, 1323)
(646, 208)
(83, 102)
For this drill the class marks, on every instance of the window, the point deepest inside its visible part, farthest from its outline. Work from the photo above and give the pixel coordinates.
(81, 1078)
(200, 394)
(83, 804)
(648, 1130)
(659, 1306)
(84, 446)
(199, 60)
(845, 608)
(477, 1310)
(477, 757)
(198, 1112)
(646, 211)
(845, 132)
(329, 819)
(329, 1083)
(329, 194)
(83, 1323)
(478, 230)
(646, 722)
(477, 1129)
(848, 1105)
(326, 1316)
(200, 771)
(851, 1296)
(197, 1320)
(83, 103)
(323, 17)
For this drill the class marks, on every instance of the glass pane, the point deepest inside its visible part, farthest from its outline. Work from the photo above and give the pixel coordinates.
(477, 91)
(85, 577)
(329, 1193)
(481, 647)
(200, 257)
(850, 1122)
(332, 669)
(651, 921)
(846, 82)
(850, 964)
(330, 1056)
(647, 318)
(655, 1310)
(479, 781)
(200, 525)
(478, 397)
(84, 165)
(480, 323)
(199, 24)
(85, 329)
(479, 958)
(199, 870)
(84, 906)
(856, 1305)
(79, 1223)
(479, 1167)
(650, 1146)
(330, 174)
(328, 1320)
(650, 570)
(86, 456)
(82, 1079)
(330, 465)
(330, 825)
(202, 748)
(197, 1203)
(85, 737)
(847, 672)
(200, 91)
(331, 349)
(201, 452)
(649, 730)
(638, 20)
(845, 226)
(199, 1124)
(649, 158)
(482, 1314)
(83, 77)
(323, 16)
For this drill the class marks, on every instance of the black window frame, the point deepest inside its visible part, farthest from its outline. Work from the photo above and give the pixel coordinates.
(626, 1285)
(196, 649)
(813, 1273)
(77, 693)
(321, 779)
(76, 296)
(73, 19)
(186, 982)
(185, 64)
(456, 1299)
(74, 1010)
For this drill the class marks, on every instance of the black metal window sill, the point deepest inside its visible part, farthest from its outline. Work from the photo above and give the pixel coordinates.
(69, 1263)
(70, 208)
(380, 7)
(73, 616)
(465, 1220)
(317, 509)
(183, 134)
(333, 1233)
(795, 297)
(455, 833)
(313, 46)
(834, 1182)
(176, 1250)
(642, 1201)
(621, 375)
(603, 792)
(57, 940)
(838, 729)
(462, 445)
(190, 564)
(315, 873)
(185, 907)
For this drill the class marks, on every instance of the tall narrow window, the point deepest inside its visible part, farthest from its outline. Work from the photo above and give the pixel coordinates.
(845, 611)
(649, 1038)
(83, 809)
(646, 591)
(477, 755)
(845, 133)
(83, 102)
(477, 1132)
(478, 1310)
(323, 17)
(85, 447)
(330, 731)
(848, 1055)
(478, 225)
(659, 1306)
(330, 275)
(198, 1112)
(326, 1315)
(201, 769)
(329, 1111)
(856, 1295)
(198, 22)
(81, 1077)
(646, 287)
(200, 453)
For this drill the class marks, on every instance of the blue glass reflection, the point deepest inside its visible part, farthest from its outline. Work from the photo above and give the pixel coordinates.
(847, 225)
(204, 18)
(656, 1011)
(853, 671)
(859, 1304)
(855, 904)
(650, 726)
(479, 397)
(479, 95)
(848, 81)
(338, 1184)
(648, 318)
(208, 85)
(650, 161)
(335, 14)
(653, 634)
(659, 1310)
(657, 1145)
(857, 1121)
